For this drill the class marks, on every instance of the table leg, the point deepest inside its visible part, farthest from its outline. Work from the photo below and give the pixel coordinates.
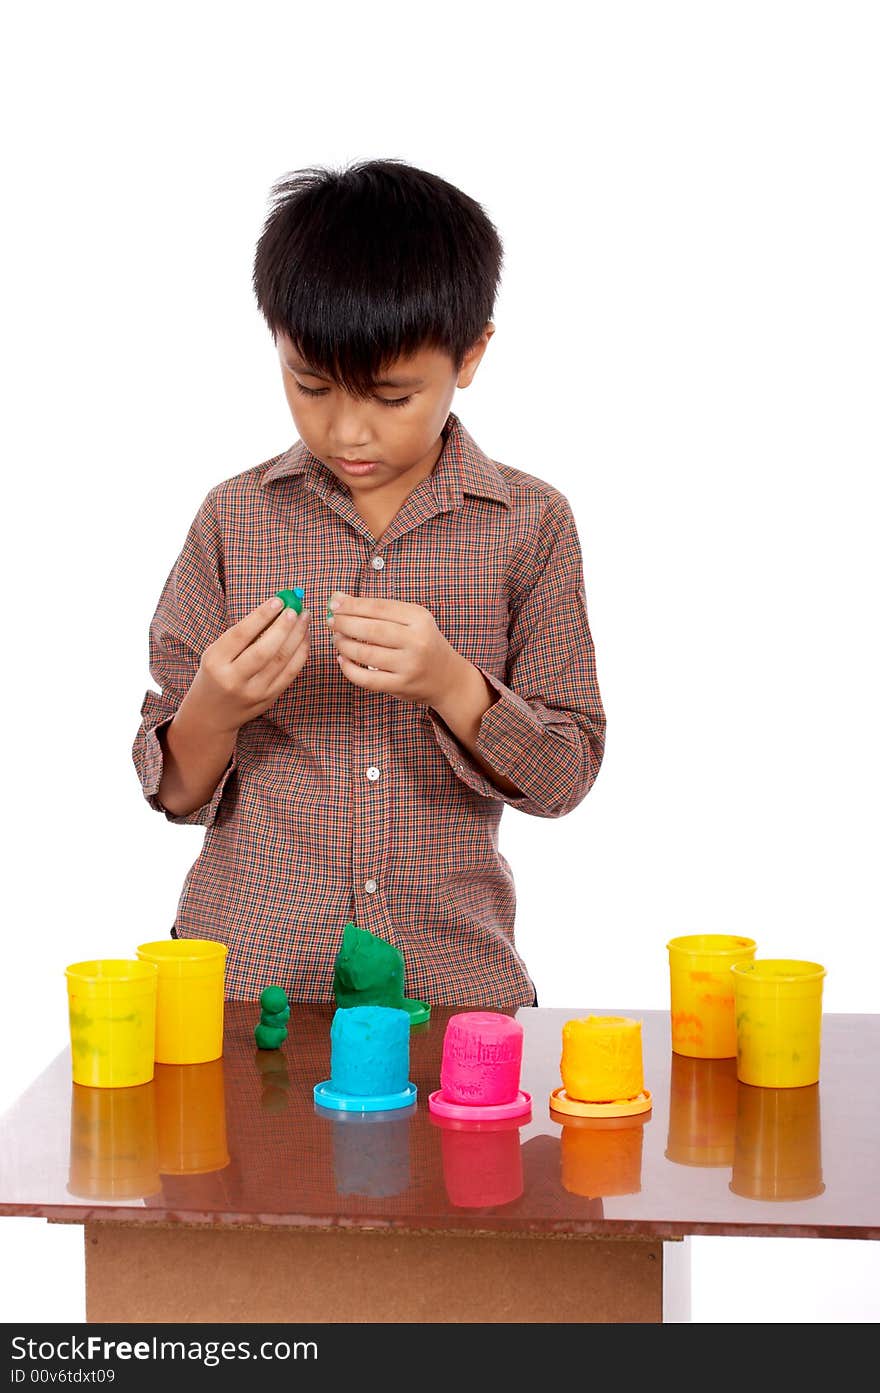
(163, 1272)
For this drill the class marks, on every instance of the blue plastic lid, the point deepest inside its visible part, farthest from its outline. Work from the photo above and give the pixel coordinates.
(327, 1097)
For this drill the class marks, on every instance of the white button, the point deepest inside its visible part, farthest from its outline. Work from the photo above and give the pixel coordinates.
(377, 562)
(371, 886)
(372, 773)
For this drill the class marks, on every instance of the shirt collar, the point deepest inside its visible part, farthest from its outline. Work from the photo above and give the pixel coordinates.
(461, 468)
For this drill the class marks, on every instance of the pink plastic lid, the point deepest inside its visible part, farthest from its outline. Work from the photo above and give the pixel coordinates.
(475, 1112)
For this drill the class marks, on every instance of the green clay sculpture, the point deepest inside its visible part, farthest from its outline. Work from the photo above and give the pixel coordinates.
(293, 599)
(369, 971)
(271, 1032)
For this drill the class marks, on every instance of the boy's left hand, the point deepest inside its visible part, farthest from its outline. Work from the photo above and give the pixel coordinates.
(390, 646)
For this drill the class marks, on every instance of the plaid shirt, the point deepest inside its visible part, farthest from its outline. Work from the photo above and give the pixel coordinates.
(342, 804)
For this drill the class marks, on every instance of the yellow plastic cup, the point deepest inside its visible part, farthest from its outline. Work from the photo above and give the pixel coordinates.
(701, 993)
(189, 1004)
(112, 1007)
(778, 1021)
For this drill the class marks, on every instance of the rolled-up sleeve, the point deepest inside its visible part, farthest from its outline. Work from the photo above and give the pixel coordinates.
(546, 731)
(190, 615)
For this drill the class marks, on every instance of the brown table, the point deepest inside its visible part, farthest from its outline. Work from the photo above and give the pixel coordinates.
(219, 1192)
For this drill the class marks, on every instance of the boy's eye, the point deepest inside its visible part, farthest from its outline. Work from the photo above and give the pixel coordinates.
(321, 391)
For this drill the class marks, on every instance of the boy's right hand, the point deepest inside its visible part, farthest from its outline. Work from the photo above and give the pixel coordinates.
(248, 667)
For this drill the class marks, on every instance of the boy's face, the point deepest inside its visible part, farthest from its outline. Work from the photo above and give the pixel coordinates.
(380, 447)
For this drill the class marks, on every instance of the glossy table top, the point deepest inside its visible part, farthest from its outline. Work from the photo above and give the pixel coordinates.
(240, 1141)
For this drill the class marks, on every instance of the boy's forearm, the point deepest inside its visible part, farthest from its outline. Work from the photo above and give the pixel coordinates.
(195, 755)
(469, 700)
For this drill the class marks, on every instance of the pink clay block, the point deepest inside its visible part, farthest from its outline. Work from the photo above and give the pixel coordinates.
(482, 1058)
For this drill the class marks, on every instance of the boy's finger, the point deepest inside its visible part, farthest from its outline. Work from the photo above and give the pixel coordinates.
(382, 632)
(369, 607)
(271, 649)
(242, 634)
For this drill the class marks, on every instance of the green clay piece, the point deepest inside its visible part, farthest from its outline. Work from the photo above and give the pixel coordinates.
(273, 1000)
(276, 1018)
(274, 1014)
(369, 971)
(269, 1037)
(293, 598)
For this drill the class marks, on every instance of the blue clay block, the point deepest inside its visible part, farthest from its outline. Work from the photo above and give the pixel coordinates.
(369, 1050)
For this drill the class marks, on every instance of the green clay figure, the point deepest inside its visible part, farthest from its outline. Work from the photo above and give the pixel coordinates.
(369, 971)
(271, 1032)
(293, 598)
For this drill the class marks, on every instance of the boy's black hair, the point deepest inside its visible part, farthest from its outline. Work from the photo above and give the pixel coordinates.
(365, 264)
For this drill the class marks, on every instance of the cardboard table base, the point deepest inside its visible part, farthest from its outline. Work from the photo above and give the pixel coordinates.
(168, 1273)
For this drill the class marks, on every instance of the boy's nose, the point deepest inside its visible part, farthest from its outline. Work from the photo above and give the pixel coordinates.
(349, 426)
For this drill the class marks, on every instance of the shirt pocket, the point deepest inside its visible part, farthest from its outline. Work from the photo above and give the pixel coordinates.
(473, 622)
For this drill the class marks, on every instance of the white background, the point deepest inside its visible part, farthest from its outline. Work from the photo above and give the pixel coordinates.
(686, 345)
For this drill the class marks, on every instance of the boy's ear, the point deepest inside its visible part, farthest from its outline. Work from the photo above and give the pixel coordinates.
(473, 356)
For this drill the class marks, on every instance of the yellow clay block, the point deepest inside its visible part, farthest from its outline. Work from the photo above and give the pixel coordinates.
(602, 1058)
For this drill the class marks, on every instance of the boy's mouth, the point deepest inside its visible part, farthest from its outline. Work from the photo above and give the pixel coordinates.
(359, 466)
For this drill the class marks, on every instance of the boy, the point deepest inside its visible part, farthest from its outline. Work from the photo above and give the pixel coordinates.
(352, 762)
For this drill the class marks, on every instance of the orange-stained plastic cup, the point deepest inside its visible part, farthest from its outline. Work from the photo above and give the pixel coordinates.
(113, 1152)
(189, 1003)
(778, 1143)
(112, 1008)
(191, 1118)
(701, 993)
(702, 1111)
(778, 1021)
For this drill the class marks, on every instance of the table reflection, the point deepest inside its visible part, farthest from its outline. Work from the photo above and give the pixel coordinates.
(191, 1118)
(123, 1140)
(770, 1137)
(271, 1065)
(370, 1151)
(702, 1111)
(778, 1152)
(482, 1161)
(114, 1144)
(602, 1156)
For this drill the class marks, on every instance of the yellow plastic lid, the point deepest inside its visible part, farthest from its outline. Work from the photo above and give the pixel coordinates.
(621, 1107)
